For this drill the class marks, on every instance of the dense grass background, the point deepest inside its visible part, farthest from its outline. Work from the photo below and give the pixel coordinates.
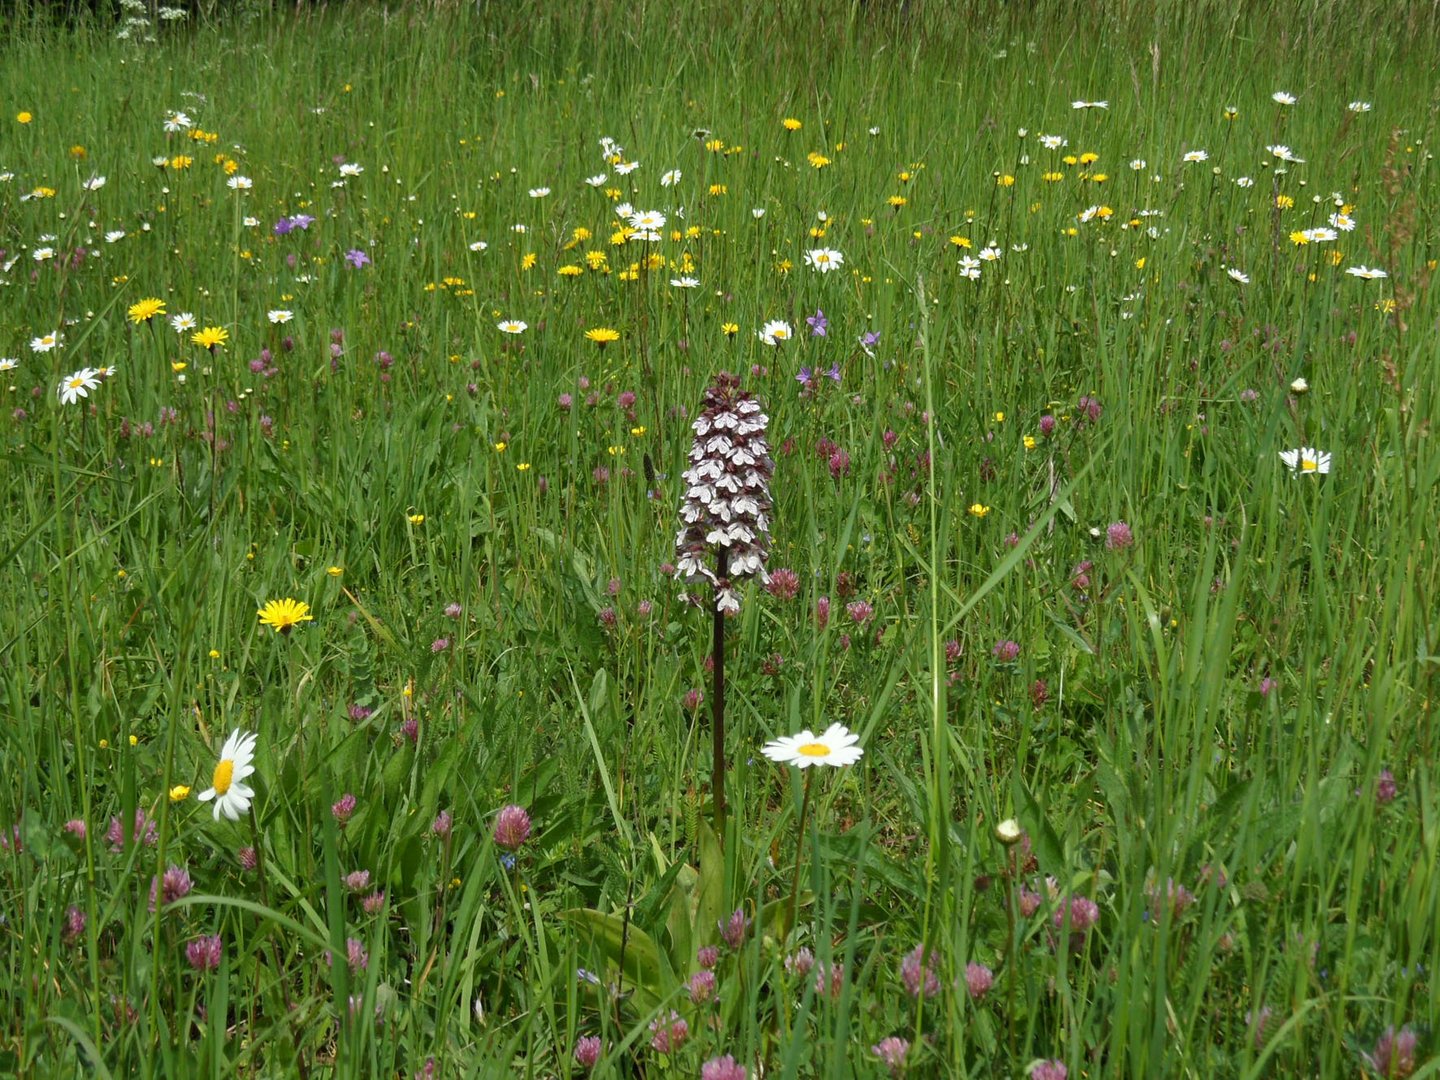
(1214, 708)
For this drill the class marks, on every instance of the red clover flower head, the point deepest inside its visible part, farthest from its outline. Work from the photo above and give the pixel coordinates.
(892, 1052)
(343, 808)
(587, 1051)
(1118, 536)
(702, 986)
(978, 980)
(1394, 1053)
(723, 1068)
(172, 885)
(668, 1035)
(512, 827)
(734, 929)
(1049, 1070)
(725, 517)
(205, 952)
(917, 971)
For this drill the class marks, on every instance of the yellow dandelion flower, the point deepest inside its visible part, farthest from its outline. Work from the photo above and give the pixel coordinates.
(144, 310)
(23, 118)
(602, 335)
(210, 337)
(897, 201)
(729, 329)
(528, 260)
(283, 615)
(791, 124)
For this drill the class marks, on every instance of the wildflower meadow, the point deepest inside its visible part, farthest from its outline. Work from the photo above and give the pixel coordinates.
(817, 539)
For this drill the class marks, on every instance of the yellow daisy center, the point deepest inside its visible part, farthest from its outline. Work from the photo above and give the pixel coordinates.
(224, 774)
(813, 749)
(1307, 465)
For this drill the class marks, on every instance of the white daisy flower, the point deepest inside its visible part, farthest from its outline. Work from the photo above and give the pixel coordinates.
(240, 183)
(1306, 459)
(45, 342)
(512, 326)
(835, 746)
(182, 322)
(1090, 104)
(671, 178)
(478, 245)
(824, 259)
(647, 220)
(539, 192)
(1196, 155)
(76, 386)
(685, 282)
(237, 762)
(279, 315)
(95, 183)
(1359, 106)
(1369, 273)
(1238, 275)
(775, 331)
(351, 168)
(596, 180)
(114, 236)
(1280, 97)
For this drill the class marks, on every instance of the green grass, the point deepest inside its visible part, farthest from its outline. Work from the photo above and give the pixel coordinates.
(1215, 706)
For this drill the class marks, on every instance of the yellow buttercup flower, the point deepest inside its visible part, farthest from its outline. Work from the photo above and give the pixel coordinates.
(179, 793)
(978, 510)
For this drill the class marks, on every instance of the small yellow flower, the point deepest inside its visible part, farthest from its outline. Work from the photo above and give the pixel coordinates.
(789, 124)
(415, 519)
(1029, 442)
(817, 161)
(1005, 180)
(602, 335)
(500, 446)
(1088, 157)
(978, 510)
(179, 793)
(1284, 202)
(104, 743)
(134, 740)
(729, 329)
(143, 311)
(214, 654)
(719, 189)
(283, 615)
(1140, 263)
(897, 201)
(528, 260)
(178, 366)
(960, 241)
(23, 118)
(570, 270)
(523, 466)
(181, 161)
(335, 571)
(999, 418)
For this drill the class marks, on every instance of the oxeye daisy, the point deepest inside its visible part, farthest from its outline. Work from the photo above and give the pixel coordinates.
(835, 746)
(1306, 460)
(182, 322)
(231, 796)
(775, 331)
(512, 326)
(77, 386)
(284, 614)
(824, 259)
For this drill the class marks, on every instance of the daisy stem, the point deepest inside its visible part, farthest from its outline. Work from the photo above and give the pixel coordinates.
(799, 851)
